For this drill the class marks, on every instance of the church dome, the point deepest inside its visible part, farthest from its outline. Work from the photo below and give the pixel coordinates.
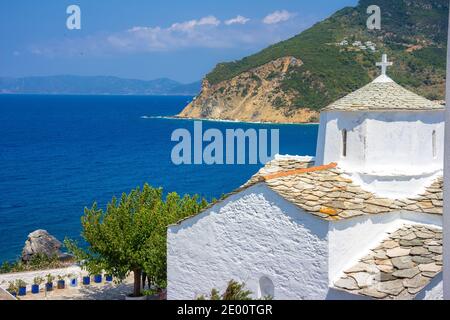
(383, 94)
(388, 138)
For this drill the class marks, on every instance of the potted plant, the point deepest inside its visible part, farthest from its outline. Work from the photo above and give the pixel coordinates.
(73, 280)
(98, 278)
(36, 283)
(49, 284)
(109, 278)
(87, 280)
(12, 288)
(61, 284)
(22, 287)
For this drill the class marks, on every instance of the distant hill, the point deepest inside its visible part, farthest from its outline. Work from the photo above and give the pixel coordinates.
(329, 60)
(95, 85)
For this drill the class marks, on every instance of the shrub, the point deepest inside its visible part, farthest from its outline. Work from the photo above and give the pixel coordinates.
(234, 291)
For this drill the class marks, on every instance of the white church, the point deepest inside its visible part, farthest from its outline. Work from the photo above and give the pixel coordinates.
(361, 220)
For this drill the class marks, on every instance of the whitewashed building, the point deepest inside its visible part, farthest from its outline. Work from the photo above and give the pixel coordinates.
(362, 220)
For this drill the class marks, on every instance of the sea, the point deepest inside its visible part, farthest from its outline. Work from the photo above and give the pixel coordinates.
(60, 154)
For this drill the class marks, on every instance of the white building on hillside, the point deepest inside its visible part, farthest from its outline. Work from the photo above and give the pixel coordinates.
(363, 220)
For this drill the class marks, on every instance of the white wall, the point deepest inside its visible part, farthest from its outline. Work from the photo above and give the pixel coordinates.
(29, 276)
(404, 140)
(382, 140)
(249, 236)
(329, 142)
(257, 235)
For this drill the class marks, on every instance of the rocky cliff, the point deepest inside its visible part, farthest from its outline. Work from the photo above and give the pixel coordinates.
(255, 96)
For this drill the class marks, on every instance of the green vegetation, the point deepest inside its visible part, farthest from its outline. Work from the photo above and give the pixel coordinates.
(12, 287)
(50, 278)
(38, 262)
(331, 71)
(234, 291)
(130, 235)
(38, 281)
(20, 283)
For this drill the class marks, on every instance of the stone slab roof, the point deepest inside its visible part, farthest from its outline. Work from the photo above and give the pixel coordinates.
(383, 96)
(328, 193)
(282, 164)
(399, 268)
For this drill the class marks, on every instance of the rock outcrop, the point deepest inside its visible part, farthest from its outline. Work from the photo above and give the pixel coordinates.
(41, 242)
(255, 96)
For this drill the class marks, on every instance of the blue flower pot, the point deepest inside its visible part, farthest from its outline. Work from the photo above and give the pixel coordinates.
(86, 280)
(22, 291)
(61, 284)
(13, 293)
(73, 282)
(109, 278)
(35, 289)
(98, 278)
(49, 286)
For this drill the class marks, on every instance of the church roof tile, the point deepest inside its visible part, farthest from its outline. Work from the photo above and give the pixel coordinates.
(328, 193)
(383, 95)
(399, 268)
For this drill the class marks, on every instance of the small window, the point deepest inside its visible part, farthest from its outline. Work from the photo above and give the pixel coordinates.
(266, 288)
(433, 141)
(344, 143)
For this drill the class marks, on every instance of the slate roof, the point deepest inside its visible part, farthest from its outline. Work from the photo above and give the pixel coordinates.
(383, 96)
(399, 267)
(328, 193)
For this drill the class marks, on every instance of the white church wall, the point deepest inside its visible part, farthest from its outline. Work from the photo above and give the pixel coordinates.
(404, 140)
(256, 237)
(330, 142)
(382, 141)
(350, 240)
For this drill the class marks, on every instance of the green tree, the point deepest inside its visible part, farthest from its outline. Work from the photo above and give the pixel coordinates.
(130, 235)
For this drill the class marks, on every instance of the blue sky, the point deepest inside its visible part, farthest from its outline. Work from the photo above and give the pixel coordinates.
(146, 39)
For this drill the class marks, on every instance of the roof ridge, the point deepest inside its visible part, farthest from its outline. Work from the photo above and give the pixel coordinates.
(299, 171)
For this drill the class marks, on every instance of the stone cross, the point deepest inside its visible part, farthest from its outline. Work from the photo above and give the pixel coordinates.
(384, 64)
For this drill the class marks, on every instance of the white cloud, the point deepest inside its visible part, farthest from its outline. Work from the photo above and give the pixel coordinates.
(206, 33)
(278, 16)
(238, 20)
(189, 25)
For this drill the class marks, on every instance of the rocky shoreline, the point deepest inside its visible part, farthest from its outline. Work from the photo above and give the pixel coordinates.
(41, 251)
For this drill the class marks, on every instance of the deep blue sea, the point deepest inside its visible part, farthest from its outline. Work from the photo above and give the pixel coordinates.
(59, 154)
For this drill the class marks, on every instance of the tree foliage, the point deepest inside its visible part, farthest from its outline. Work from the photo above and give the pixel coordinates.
(130, 235)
